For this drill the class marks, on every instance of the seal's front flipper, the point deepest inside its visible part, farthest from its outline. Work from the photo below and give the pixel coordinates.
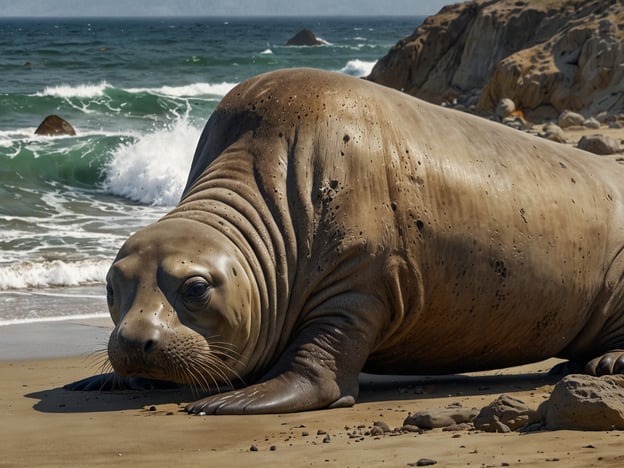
(319, 370)
(607, 364)
(286, 393)
(112, 381)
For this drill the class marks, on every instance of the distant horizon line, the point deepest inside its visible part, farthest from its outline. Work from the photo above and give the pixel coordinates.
(219, 17)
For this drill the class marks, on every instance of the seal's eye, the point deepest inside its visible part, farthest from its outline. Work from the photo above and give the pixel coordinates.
(196, 290)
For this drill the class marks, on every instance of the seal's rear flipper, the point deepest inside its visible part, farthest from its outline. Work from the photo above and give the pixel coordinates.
(112, 381)
(608, 364)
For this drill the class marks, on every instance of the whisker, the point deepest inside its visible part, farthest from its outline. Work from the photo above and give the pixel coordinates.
(204, 370)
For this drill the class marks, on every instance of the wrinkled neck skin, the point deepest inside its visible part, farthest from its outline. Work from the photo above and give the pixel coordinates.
(226, 197)
(307, 204)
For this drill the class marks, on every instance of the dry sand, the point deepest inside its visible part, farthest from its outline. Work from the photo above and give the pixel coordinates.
(44, 425)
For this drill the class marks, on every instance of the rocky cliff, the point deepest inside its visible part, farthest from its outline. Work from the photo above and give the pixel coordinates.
(545, 55)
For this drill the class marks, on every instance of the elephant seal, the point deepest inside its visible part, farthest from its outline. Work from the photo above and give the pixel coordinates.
(330, 225)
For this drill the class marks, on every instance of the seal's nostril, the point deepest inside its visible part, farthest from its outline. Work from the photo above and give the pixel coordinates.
(149, 346)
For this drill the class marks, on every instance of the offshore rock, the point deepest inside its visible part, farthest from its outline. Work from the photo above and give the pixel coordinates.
(54, 125)
(305, 37)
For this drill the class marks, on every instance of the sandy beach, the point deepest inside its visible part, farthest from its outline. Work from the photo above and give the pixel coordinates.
(44, 425)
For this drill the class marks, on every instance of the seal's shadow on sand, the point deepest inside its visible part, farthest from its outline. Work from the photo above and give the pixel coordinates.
(373, 389)
(59, 400)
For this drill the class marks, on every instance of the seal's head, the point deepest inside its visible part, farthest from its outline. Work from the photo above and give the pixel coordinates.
(182, 304)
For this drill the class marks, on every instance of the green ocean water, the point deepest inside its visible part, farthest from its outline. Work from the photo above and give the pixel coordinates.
(138, 92)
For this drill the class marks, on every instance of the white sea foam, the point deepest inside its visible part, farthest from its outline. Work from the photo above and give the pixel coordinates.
(266, 52)
(153, 169)
(323, 41)
(97, 90)
(358, 68)
(194, 89)
(53, 273)
(79, 91)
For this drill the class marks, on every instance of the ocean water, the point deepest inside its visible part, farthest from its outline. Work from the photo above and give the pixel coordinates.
(138, 92)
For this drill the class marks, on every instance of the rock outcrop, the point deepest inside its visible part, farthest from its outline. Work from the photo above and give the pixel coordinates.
(54, 125)
(546, 56)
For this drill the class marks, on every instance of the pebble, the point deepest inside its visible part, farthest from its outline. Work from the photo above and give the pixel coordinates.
(412, 428)
(382, 425)
(376, 431)
(424, 462)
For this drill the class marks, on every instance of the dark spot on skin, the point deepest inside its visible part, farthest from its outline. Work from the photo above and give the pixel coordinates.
(333, 184)
(393, 205)
(234, 272)
(420, 225)
(346, 138)
(563, 166)
(500, 269)
(522, 215)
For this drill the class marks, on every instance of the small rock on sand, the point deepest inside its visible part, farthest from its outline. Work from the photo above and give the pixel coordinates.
(441, 417)
(505, 414)
(599, 144)
(587, 403)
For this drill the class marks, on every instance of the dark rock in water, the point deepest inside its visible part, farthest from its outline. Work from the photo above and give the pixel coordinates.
(55, 125)
(305, 37)
(586, 403)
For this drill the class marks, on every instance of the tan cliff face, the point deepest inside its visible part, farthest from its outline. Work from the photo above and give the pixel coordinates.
(544, 55)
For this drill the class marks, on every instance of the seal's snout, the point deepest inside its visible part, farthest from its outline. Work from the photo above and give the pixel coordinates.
(141, 339)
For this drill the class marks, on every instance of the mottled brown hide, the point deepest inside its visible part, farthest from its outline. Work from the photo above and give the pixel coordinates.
(331, 225)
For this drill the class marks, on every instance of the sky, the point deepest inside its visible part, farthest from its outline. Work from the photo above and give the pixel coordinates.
(93, 8)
